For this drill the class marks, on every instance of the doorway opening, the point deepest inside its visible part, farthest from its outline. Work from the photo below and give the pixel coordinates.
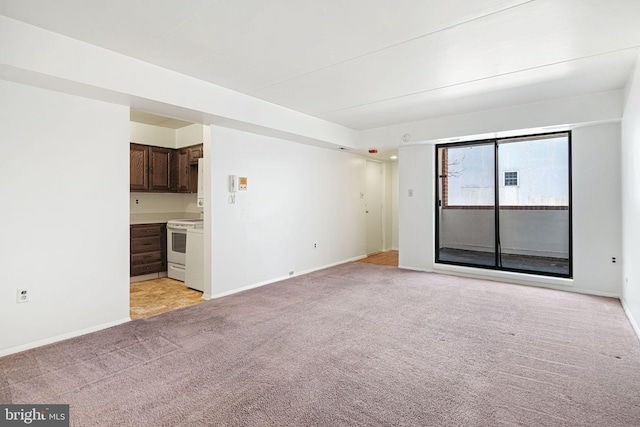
(373, 206)
(166, 193)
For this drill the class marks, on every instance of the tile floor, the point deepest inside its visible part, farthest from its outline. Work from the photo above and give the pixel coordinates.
(157, 296)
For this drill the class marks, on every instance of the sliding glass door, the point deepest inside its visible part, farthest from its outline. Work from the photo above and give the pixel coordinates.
(506, 204)
(466, 204)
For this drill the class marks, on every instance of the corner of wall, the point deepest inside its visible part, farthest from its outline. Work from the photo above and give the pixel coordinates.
(190, 135)
(632, 320)
(630, 186)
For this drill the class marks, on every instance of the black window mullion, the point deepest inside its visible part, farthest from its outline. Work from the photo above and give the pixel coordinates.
(496, 206)
(438, 202)
(569, 142)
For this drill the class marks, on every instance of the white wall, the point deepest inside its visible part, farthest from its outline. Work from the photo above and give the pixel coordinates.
(596, 213)
(297, 195)
(503, 122)
(189, 135)
(64, 189)
(159, 136)
(597, 232)
(631, 201)
(416, 221)
(145, 203)
(142, 133)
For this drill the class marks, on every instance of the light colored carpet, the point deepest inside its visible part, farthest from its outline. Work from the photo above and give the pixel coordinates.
(356, 344)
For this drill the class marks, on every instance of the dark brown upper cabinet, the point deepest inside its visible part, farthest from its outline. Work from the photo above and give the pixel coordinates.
(139, 167)
(165, 170)
(195, 153)
(187, 168)
(182, 170)
(160, 172)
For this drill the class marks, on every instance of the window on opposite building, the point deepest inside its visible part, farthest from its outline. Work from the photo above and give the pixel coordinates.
(511, 179)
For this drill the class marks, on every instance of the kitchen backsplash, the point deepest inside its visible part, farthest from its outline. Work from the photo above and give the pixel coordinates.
(162, 203)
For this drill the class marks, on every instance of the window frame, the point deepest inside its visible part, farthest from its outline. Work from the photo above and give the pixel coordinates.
(496, 141)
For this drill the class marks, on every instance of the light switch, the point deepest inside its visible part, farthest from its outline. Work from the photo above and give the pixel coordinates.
(411, 192)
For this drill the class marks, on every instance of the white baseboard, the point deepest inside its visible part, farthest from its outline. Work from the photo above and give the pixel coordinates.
(633, 322)
(507, 276)
(406, 267)
(23, 347)
(279, 279)
(548, 282)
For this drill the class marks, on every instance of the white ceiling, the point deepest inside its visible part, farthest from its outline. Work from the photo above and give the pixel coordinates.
(367, 63)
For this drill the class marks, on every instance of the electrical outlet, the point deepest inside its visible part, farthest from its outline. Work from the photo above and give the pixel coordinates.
(22, 295)
(315, 245)
(613, 260)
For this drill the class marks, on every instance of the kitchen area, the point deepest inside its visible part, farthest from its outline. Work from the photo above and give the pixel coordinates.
(166, 213)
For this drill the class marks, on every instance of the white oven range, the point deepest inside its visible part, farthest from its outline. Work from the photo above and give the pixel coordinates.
(177, 245)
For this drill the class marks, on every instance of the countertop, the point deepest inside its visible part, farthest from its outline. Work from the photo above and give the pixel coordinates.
(158, 218)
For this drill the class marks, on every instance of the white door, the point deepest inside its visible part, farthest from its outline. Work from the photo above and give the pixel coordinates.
(373, 206)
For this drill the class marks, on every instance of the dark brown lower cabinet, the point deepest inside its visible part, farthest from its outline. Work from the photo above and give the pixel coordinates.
(148, 249)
